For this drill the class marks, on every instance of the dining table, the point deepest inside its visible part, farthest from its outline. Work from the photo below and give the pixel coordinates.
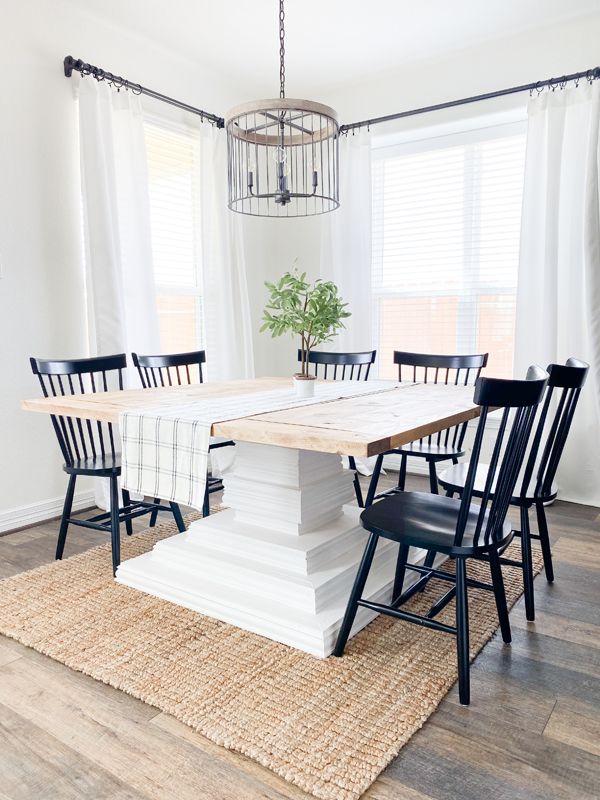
(281, 556)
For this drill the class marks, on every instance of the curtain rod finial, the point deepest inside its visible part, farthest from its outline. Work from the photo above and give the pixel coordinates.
(68, 64)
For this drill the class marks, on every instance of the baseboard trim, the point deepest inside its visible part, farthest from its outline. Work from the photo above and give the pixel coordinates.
(23, 516)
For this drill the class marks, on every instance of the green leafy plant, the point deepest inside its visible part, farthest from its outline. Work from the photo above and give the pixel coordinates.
(312, 311)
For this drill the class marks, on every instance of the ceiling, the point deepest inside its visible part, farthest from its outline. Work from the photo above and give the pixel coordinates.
(328, 42)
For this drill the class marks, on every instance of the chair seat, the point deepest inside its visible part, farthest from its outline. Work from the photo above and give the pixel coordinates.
(426, 520)
(454, 478)
(424, 450)
(100, 466)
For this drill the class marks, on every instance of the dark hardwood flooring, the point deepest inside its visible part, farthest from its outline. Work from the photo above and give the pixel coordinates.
(532, 731)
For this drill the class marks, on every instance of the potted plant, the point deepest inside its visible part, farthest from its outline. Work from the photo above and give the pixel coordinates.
(312, 311)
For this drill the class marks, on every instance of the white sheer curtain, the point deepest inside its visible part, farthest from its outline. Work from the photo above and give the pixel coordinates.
(346, 242)
(558, 296)
(122, 313)
(346, 251)
(227, 321)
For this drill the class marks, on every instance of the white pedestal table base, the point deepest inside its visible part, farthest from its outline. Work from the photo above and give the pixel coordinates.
(281, 560)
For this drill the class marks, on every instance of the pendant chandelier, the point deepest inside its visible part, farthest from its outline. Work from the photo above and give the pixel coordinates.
(283, 154)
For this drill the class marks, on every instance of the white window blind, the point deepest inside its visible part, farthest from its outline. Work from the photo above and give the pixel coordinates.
(174, 181)
(446, 227)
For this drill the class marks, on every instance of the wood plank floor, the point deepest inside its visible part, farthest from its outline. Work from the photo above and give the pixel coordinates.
(532, 731)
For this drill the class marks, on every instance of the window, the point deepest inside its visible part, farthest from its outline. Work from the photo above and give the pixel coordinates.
(446, 226)
(173, 175)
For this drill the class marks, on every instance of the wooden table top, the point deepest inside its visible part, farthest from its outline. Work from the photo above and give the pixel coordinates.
(360, 426)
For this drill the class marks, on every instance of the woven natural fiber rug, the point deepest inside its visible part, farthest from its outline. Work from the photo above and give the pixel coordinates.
(329, 726)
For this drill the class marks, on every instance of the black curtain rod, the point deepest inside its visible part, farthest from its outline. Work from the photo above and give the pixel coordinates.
(78, 65)
(553, 83)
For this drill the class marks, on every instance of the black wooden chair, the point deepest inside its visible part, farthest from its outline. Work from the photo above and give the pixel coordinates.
(456, 528)
(178, 369)
(446, 445)
(89, 448)
(343, 366)
(552, 429)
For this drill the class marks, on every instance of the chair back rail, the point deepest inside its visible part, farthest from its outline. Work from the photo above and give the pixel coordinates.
(341, 366)
(519, 400)
(454, 370)
(81, 439)
(173, 369)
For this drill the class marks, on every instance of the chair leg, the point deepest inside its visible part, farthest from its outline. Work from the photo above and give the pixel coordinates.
(500, 596)
(206, 503)
(433, 486)
(374, 481)
(115, 537)
(527, 564)
(357, 488)
(400, 571)
(176, 511)
(545, 541)
(433, 482)
(126, 503)
(402, 472)
(356, 594)
(462, 632)
(154, 513)
(66, 513)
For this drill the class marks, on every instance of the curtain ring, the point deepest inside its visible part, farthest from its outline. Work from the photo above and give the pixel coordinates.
(118, 82)
(136, 88)
(539, 89)
(99, 75)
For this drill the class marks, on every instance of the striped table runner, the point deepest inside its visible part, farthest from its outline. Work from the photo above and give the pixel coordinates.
(165, 449)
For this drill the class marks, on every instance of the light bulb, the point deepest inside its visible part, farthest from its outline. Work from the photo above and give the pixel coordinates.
(279, 155)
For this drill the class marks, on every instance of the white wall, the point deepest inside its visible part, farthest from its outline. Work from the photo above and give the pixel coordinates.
(524, 58)
(41, 289)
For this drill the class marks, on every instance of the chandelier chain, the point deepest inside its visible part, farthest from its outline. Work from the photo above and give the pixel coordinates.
(281, 50)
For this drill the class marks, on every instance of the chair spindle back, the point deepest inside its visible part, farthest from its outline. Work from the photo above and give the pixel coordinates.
(449, 370)
(519, 400)
(81, 439)
(341, 366)
(565, 383)
(174, 369)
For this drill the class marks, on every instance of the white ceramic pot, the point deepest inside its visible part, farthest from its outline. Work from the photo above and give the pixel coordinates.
(304, 387)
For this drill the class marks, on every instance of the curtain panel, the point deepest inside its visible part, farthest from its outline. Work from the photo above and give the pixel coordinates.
(346, 242)
(121, 299)
(558, 295)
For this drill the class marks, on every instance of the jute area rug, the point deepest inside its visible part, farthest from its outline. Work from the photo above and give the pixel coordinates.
(328, 726)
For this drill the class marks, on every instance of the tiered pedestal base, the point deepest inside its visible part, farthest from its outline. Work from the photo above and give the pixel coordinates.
(281, 560)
